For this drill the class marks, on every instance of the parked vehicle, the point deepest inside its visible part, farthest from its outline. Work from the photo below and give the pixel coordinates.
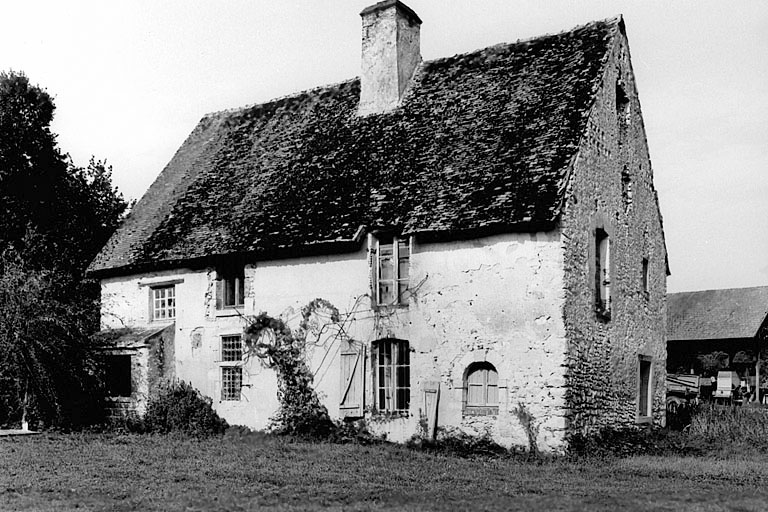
(682, 389)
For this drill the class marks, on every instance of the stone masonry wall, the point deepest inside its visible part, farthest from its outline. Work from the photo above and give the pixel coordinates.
(612, 189)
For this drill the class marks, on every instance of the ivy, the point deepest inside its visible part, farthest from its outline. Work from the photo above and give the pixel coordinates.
(278, 347)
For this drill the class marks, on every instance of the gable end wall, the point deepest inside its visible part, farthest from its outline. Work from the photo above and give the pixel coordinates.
(604, 354)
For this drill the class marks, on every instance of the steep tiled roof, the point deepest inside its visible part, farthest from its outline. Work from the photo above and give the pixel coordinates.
(481, 142)
(716, 314)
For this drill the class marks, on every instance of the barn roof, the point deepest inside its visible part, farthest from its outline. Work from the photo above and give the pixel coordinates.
(716, 314)
(481, 142)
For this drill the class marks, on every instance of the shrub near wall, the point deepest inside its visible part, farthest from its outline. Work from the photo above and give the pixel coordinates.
(179, 407)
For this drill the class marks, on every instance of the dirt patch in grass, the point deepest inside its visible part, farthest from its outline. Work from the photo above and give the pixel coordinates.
(134, 472)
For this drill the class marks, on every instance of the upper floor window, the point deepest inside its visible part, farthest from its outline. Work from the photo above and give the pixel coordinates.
(482, 389)
(231, 348)
(645, 276)
(391, 270)
(392, 375)
(163, 303)
(603, 271)
(230, 288)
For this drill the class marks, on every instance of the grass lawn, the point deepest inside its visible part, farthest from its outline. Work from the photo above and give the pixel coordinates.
(133, 472)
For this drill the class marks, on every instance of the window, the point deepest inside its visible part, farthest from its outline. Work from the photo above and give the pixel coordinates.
(231, 348)
(603, 272)
(163, 303)
(644, 398)
(231, 371)
(231, 382)
(118, 374)
(391, 270)
(481, 389)
(645, 277)
(622, 103)
(230, 288)
(392, 376)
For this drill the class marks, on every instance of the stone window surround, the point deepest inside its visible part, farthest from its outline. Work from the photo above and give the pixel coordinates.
(644, 418)
(486, 408)
(460, 367)
(226, 278)
(600, 221)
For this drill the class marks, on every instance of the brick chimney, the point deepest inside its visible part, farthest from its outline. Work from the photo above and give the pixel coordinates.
(391, 54)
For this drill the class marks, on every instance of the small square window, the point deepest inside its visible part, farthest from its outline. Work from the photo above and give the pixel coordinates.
(163, 303)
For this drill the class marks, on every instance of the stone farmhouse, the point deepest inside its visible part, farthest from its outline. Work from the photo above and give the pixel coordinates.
(486, 224)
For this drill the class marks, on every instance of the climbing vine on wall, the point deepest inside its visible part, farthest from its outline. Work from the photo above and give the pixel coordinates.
(282, 349)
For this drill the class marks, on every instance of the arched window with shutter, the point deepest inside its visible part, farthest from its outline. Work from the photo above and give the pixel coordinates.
(481, 389)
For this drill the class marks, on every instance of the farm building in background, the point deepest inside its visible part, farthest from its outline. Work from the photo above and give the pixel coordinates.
(714, 330)
(486, 223)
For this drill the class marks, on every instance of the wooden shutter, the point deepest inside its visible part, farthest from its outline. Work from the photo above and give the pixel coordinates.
(431, 398)
(352, 364)
(219, 292)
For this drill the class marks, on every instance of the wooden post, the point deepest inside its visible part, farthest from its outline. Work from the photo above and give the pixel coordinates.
(757, 374)
(431, 398)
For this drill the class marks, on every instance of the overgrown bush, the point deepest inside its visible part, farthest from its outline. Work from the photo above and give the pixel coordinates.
(179, 407)
(455, 442)
(681, 416)
(633, 441)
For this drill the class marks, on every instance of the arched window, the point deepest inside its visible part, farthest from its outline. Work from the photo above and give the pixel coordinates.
(481, 386)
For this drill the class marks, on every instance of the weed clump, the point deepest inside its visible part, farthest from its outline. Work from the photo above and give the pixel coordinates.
(181, 408)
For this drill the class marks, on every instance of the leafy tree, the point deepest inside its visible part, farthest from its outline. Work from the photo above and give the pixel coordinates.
(54, 218)
(55, 214)
(47, 366)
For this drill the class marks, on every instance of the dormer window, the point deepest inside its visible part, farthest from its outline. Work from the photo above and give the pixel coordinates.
(390, 270)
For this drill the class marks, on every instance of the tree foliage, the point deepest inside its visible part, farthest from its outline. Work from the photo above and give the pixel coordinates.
(54, 218)
(47, 367)
(56, 215)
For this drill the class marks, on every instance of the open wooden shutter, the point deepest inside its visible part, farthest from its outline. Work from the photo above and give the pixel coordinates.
(352, 363)
(219, 292)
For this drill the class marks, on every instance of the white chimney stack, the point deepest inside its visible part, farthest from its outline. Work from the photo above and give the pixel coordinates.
(391, 54)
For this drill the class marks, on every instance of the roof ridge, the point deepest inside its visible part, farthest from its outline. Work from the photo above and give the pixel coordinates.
(611, 20)
(720, 289)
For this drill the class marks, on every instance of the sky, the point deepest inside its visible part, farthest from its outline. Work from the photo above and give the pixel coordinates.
(131, 80)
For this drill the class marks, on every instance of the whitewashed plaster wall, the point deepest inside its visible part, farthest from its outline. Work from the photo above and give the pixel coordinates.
(497, 299)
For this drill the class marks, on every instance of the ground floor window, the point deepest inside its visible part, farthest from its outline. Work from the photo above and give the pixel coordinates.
(481, 389)
(392, 376)
(644, 398)
(231, 367)
(231, 382)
